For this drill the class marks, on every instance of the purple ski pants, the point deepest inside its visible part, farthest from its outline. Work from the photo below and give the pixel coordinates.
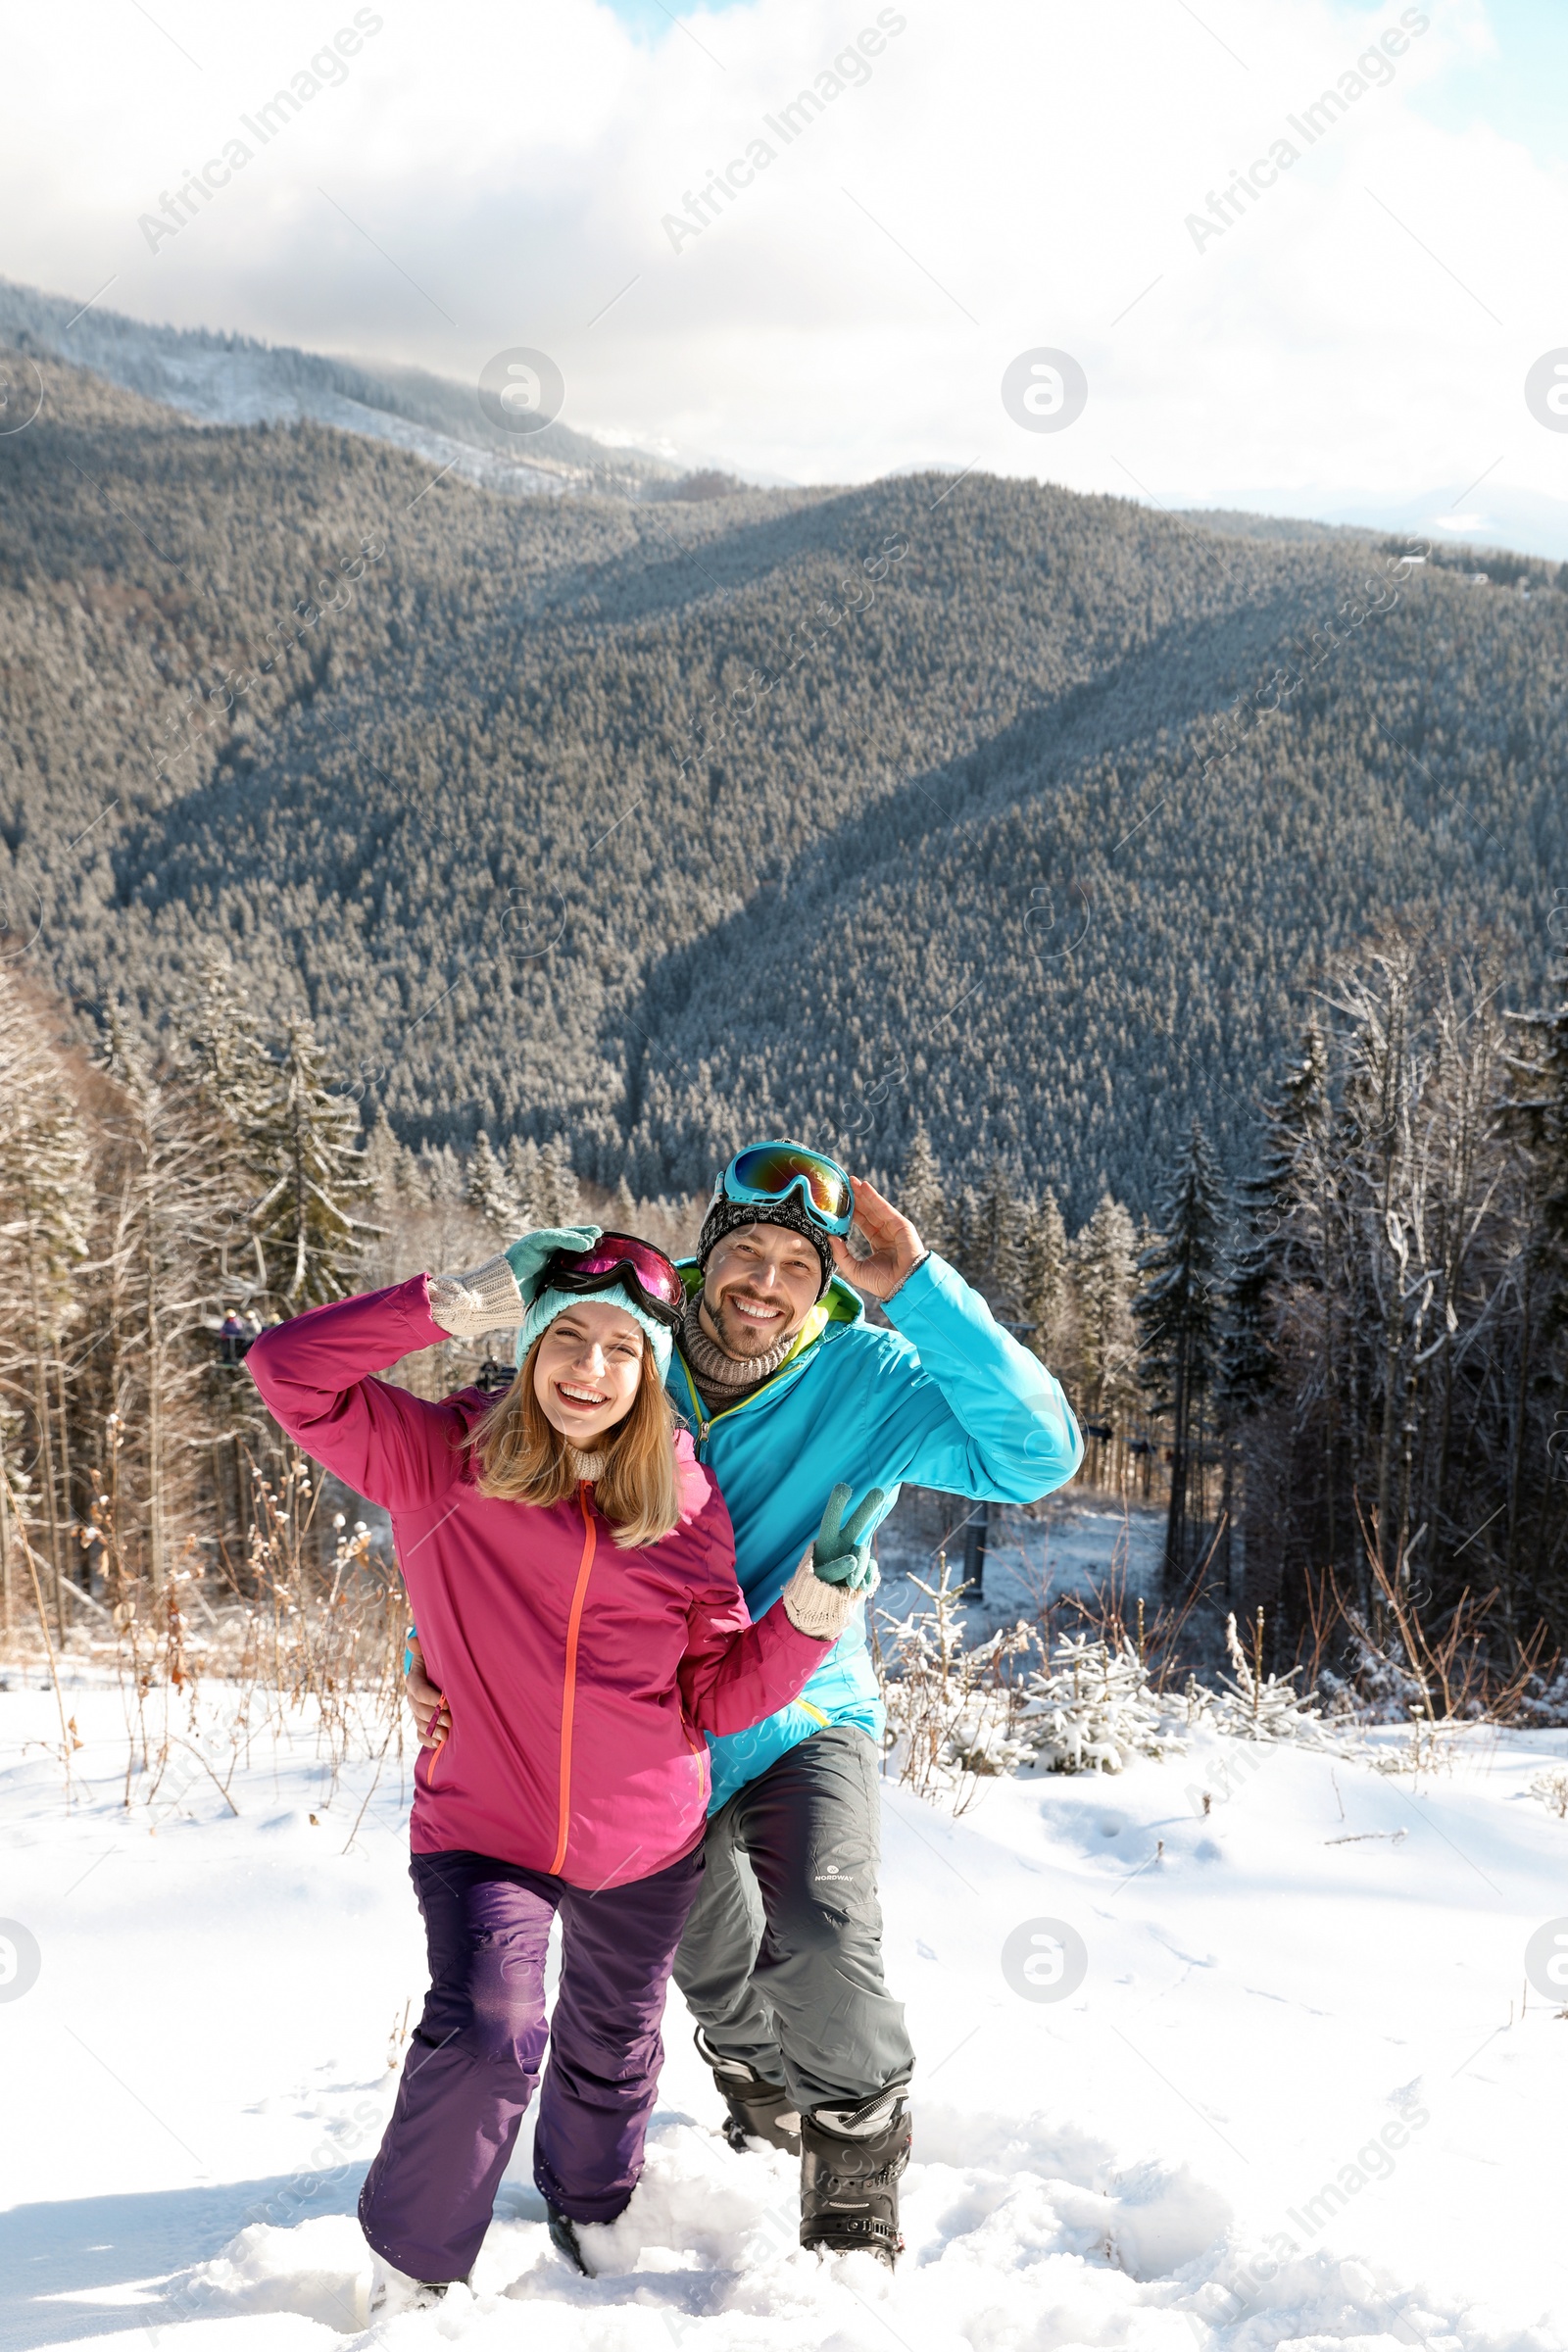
(474, 2061)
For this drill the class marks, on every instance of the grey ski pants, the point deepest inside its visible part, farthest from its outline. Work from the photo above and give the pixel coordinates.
(782, 1962)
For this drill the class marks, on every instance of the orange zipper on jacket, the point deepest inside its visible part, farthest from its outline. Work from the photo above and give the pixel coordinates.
(568, 1695)
(436, 1753)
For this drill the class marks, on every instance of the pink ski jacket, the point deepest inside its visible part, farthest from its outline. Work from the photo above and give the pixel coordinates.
(580, 1677)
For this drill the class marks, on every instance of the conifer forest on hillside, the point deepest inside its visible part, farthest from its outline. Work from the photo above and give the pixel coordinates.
(1170, 913)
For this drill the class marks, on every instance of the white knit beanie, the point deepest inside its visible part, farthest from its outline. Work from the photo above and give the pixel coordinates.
(550, 1303)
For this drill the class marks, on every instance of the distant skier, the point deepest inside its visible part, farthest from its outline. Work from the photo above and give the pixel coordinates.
(236, 1334)
(789, 1388)
(574, 1573)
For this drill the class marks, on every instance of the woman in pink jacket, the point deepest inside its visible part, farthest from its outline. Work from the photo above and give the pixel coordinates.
(573, 1570)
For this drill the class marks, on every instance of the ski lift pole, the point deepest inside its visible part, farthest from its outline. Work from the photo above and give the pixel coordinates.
(974, 1551)
(978, 1526)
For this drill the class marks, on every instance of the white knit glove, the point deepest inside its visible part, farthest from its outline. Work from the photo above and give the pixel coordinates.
(486, 1298)
(821, 1609)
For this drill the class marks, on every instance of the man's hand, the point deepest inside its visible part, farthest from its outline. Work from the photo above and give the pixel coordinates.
(424, 1699)
(896, 1247)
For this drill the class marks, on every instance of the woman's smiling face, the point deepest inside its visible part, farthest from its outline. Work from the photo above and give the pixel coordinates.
(587, 1368)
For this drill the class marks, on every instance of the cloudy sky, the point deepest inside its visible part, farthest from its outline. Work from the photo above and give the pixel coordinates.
(971, 182)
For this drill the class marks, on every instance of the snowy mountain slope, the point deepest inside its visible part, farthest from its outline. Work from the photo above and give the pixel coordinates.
(232, 379)
(1295, 2099)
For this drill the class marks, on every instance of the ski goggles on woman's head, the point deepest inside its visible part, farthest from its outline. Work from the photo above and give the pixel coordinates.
(772, 1172)
(620, 1257)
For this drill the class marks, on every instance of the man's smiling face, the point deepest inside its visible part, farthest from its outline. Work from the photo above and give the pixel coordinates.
(761, 1282)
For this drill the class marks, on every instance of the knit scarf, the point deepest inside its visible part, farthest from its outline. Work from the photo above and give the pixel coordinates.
(723, 1380)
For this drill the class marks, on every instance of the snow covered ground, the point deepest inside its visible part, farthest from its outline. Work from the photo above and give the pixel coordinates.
(1270, 2075)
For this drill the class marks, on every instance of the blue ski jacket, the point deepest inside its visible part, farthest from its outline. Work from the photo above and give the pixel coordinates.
(946, 1399)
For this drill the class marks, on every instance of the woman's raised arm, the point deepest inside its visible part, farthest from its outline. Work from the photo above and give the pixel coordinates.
(316, 1375)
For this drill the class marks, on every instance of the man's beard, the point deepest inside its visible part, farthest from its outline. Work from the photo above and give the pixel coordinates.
(737, 1336)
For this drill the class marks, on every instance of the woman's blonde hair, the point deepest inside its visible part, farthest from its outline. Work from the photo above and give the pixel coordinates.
(523, 1457)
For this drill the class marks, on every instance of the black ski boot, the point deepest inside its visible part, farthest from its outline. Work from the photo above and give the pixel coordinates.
(758, 2109)
(564, 2238)
(850, 2167)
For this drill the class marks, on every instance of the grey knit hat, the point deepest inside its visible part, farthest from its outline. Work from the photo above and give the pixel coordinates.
(725, 1215)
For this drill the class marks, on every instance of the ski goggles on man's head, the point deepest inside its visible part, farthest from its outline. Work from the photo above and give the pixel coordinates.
(772, 1172)
(622, 1259)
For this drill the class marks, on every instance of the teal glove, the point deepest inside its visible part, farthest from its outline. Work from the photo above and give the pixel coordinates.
(842, 1552)
(526, 1257)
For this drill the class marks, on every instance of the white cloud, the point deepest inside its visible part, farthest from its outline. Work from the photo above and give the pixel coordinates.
(1011, 174)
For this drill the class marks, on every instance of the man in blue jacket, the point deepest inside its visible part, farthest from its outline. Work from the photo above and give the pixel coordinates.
(789, 1391)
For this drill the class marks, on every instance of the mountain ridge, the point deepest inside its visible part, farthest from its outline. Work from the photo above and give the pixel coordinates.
(223, 379)
(481, 820)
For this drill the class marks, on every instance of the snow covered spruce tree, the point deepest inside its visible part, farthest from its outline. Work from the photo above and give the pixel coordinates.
(1046, 1285)
(921, 1194)
(220, 1044)
(1264, 1255)
(963, 1219)
(1266, 1252)
(1100, 1368)
(997, 1246)
(1282, 1207)
(489, 1192)
(523, 1180)
(1177, 1313)
(387, 1161)
(218, 1036)
(306, 1139)
(560, 1196)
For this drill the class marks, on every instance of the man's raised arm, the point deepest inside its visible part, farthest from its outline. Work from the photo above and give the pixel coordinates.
(977, 1414)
